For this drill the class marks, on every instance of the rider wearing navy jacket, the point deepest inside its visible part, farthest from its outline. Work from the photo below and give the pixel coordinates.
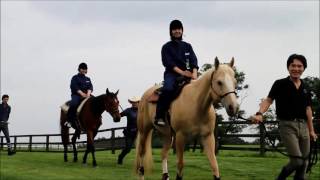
(178, 59)
(81, 87)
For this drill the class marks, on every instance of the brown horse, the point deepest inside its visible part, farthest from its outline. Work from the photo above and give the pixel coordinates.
(90, 121)
(192, 113)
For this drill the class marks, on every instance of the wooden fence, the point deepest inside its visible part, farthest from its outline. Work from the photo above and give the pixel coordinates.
(52, 142)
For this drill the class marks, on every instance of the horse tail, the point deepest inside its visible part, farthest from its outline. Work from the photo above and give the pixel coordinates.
(144, 152)
(144, 139)
(63, 129)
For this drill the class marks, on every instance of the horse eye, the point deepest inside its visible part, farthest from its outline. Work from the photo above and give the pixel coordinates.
(219, 83)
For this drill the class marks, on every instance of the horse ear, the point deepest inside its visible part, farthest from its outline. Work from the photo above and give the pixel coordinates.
(231, 62)
(107, 91)
(216, 62)
(117, 92)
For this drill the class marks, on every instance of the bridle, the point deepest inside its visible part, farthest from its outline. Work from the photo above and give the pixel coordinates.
(110, 110)
(221, 96)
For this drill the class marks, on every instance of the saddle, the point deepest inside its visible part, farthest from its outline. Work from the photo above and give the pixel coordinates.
(181, 81)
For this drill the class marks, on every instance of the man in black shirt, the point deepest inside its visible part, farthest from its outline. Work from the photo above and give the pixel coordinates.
(5, 110)
(130, 132)
(293, 109)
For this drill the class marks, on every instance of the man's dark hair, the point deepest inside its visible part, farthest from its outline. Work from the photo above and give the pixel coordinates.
(298, 57)
(5, 96)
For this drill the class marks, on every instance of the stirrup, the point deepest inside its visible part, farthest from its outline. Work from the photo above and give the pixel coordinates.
(67, 124)
(160, 122)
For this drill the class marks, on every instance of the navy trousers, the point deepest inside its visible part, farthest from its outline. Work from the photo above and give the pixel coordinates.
(74, 103)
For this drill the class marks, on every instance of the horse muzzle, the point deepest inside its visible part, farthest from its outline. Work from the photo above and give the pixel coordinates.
(232, 110)
(116, 119)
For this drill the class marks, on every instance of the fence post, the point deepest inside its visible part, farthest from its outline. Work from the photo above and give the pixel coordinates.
(30, 143)
(113, 141)
(15, 143)
(47, 143)
(1, 143)
(262, 140)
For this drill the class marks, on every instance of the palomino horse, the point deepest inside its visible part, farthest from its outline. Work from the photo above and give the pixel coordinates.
(90, 121)
(192, 113)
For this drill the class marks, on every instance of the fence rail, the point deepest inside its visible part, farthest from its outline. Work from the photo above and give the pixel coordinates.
(29, 142)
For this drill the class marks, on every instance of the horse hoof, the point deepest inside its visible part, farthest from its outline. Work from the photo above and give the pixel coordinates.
(178, 177)
(165, 176)
(216, 178)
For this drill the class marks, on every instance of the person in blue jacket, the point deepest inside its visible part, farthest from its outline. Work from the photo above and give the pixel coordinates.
(81, 87)
(5, 111)
(130, 132)
(178, 59)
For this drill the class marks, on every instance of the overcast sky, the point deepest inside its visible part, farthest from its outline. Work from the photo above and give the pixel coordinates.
(42, 43)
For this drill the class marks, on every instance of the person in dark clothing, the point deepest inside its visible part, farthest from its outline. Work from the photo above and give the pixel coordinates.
(130, 132)
(293, 109)
(179, 60)
(5, 110)
(81, 87)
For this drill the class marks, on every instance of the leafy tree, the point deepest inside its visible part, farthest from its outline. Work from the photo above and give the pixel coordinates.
(313, 84)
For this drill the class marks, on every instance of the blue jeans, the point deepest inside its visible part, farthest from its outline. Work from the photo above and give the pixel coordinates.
(167, 95)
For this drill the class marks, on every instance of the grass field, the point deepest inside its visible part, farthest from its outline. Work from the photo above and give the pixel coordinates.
(234, 165)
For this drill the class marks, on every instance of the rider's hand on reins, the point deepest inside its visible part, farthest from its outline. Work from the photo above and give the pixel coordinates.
(187, 73)
(256, 119)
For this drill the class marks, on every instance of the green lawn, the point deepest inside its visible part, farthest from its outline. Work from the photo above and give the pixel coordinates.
(234, 165)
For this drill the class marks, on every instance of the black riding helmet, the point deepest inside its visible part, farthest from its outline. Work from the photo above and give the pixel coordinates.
(175, 24)
(82, 66)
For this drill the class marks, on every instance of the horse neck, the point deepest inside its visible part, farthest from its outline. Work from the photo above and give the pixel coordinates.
(201, 90)
(98, 104)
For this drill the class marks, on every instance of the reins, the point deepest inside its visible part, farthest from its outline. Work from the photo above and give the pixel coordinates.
(313, 153)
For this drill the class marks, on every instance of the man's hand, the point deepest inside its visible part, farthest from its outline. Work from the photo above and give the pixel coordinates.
(313, 136)
(256, 119)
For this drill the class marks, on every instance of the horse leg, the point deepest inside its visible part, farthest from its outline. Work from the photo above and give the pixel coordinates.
(65, 152)
(90, 148)
(64, 135)
(180, 142)
(74, 147)
(208, 144)
(84, 160)
(167, 140)
(93, 150)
